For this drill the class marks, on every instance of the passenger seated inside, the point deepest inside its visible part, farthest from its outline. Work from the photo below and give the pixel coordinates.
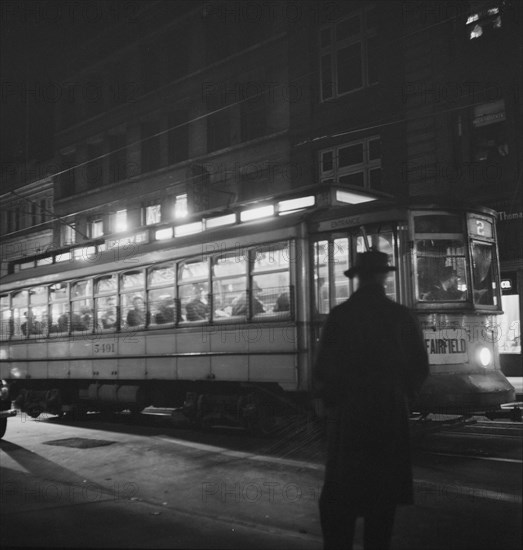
(109, 315)
(136, 316)
(165, 312)
(282, 303)
(197, 308)
(30, 326)
(239, 304)
(446, 287)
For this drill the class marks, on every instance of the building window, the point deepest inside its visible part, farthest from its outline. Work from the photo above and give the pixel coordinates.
(96, 228)
(153, 214)
(67, 176)
(348, 54)
(34, 213)
(94, 168)
(178, 138)
(484, 19)
(43, 210)
(489, 132)
(151, 146)
(118, 221)
(180, 206)
(254, 110)
(68, 234)
(357, 163)
(117, 158)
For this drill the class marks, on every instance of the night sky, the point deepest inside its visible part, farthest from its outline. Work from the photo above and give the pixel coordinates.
(39, 38)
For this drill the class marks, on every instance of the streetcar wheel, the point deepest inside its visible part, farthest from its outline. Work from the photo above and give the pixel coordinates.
(3, 427)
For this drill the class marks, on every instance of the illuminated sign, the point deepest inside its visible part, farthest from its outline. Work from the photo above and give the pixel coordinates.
(141, 237)
(446, 346)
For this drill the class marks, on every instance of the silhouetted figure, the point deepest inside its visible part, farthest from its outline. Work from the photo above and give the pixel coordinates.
(371, 363)
(197, 308)
(239, 304)
(136, 316)
(446, 287)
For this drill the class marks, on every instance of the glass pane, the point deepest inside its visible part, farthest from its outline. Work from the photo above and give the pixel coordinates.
(435, 223)
(374, 149)
(321, 277)
(59, 325)
(82, 315)
(348, 156)
(441, 270)
(194, 301)
(106, 284)
(133, 309)
(373, 60)
(162, 306)
(348, 66)
(230, 265)
(230, 296)
(483, 274)
(133, 279)
(510, 325)
(5, 321)
(194, 271)
(327, 161)
(375, 179)
(159, 276)
(106, 312)
(273, 258)
(20, 308)
(271, 292)
(58, 292)
(153, 214)
(340, 258)
(38, 295)
(82, 288)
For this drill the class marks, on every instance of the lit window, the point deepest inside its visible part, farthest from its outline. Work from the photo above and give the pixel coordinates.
(482, 20)
(153, 214)
(120, 221)
(349, 54)
(96, 228)
(357, 164)
(68, 232)
(180, 206)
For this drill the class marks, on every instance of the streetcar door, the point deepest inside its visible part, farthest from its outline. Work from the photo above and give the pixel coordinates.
(330, 287)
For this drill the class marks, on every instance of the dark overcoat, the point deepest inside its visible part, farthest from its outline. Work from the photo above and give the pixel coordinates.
(371, 361)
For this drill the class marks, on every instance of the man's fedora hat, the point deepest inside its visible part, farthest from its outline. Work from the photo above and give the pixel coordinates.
(372, 261)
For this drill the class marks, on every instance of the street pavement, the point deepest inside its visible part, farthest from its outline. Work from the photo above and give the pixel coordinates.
(120, 486)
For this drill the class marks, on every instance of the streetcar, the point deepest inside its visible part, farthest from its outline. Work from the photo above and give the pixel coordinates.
(220, 316)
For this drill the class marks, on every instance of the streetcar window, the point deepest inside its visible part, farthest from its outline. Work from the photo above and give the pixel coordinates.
(20, 313)
(5, 318)
(440, 258)
(162, 308)
(321, 277)
(193, 291)
(340, 259)
(59, 310)
(384, 242)
(106, 305)
(134, 311)
(483, 274)
(270, 292)
(81, 306)
(230, 286)
(441, 269)
(37, 317)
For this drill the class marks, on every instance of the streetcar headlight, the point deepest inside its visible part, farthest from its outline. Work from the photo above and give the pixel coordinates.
(484, 357)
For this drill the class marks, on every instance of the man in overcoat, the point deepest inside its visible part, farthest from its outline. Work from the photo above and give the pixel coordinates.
(370, 365)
